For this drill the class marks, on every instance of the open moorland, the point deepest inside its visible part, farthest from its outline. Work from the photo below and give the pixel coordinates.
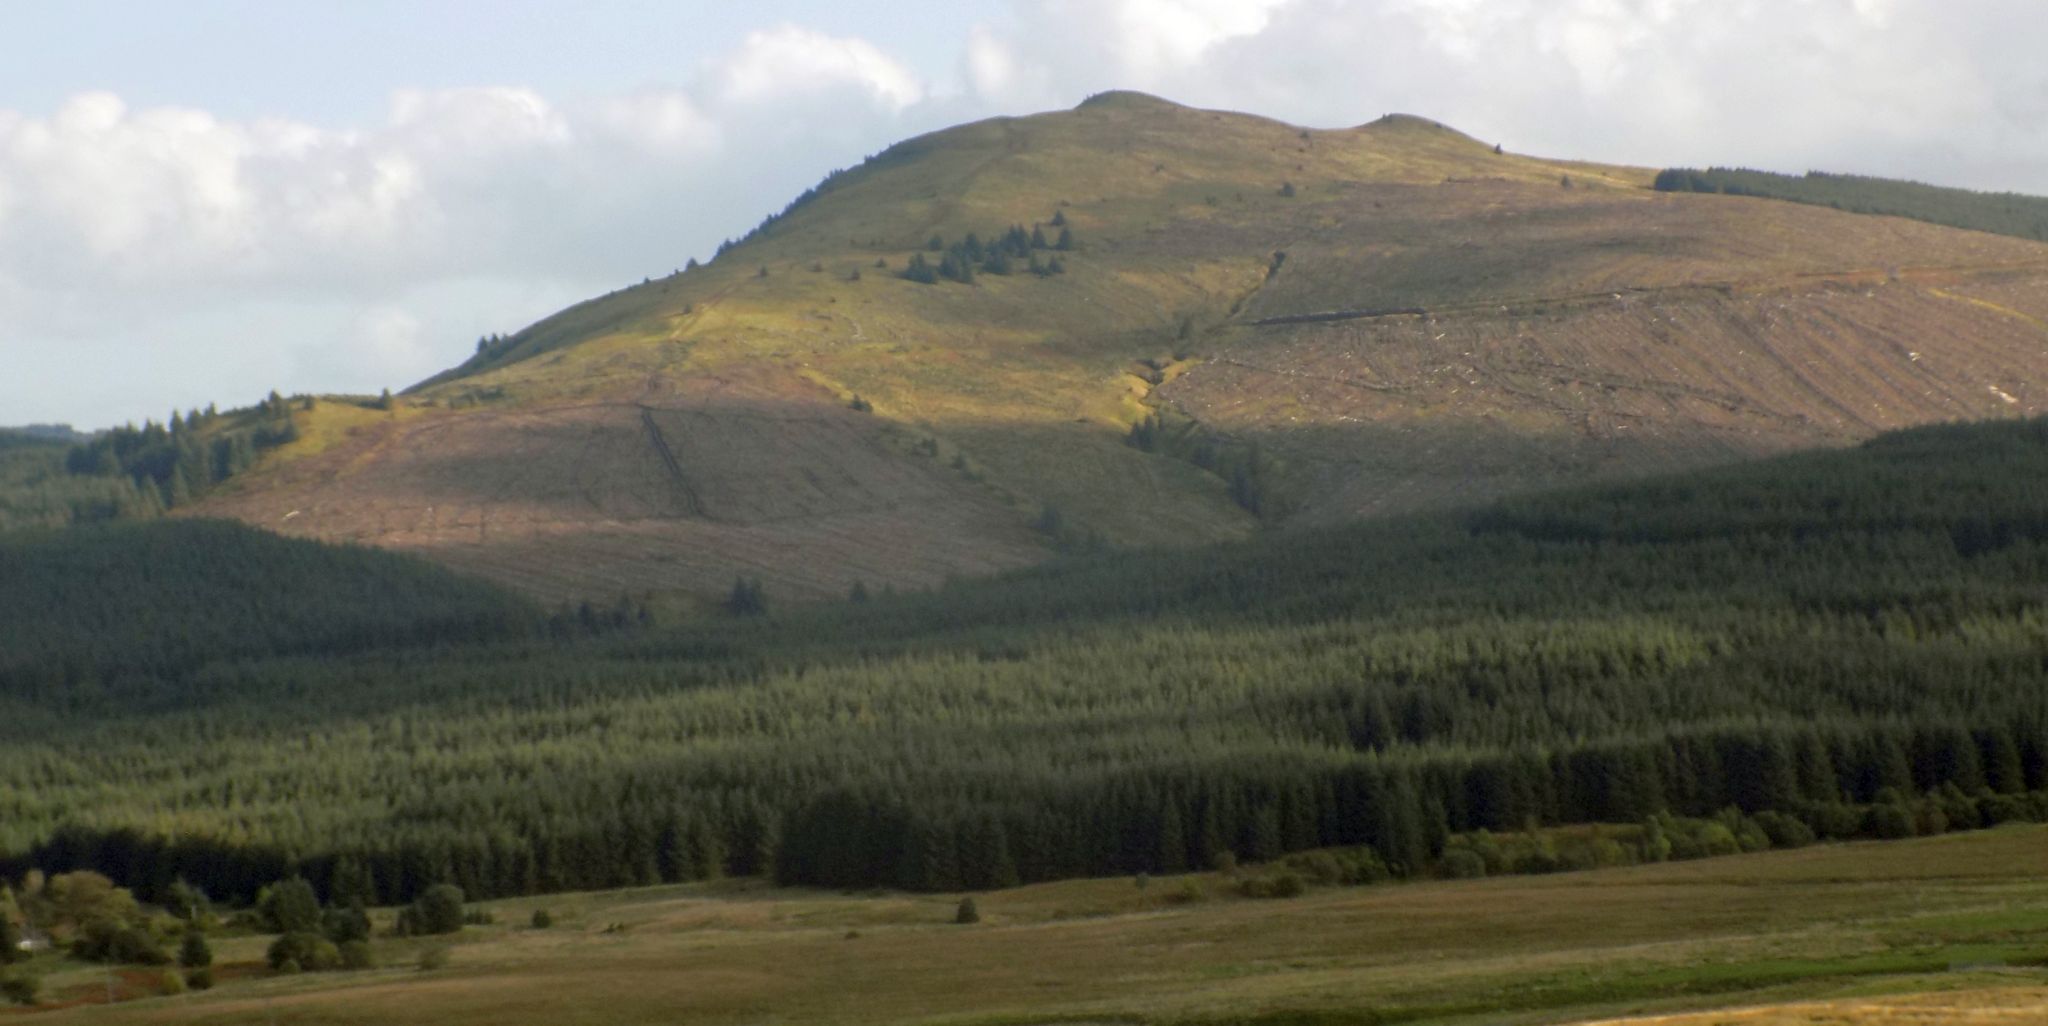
(1321, 324)
(1960, 922)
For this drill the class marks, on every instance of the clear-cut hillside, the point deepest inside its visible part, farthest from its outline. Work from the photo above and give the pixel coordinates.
(1312, 324)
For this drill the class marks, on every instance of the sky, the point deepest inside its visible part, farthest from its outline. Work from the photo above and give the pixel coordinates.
(206, 200)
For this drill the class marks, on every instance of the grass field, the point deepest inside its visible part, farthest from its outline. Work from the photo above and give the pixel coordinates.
(1947, 929)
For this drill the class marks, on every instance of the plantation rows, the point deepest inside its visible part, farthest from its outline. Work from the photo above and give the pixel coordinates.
(1843, 640)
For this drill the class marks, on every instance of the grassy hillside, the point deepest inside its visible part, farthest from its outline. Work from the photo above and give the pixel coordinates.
(1847, 931)
(1851, 640)
(1334, 324)
(2006, 213)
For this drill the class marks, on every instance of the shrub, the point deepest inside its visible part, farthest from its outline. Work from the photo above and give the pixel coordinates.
(1318, 866)
(342, 925)
(302, 949)
(1784, 831)
(1284, 884)
(1696, 839)
(1888, 820)
(199, 979)
(437, 911)
(356, 954)
(1460, 864)
(21, 988)
(108, 941)
(1751, 836)
(289, 906)
(1834, 820)
(171, 984)
(1364, 866)
(1601, 852)
(193, 951)
(1993, 809)
(1656, 843)
(433, 958)
(541, 919)
(1928, 818)
(188, 902)
(1958, 808)
(968, 912)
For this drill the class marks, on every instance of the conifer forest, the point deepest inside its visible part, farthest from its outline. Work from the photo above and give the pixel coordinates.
(1836, 644)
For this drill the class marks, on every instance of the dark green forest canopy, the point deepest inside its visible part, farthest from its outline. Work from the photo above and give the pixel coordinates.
(118, 617)
(1828, 635)
(51, 476)
(2001, 213)
(36, 490)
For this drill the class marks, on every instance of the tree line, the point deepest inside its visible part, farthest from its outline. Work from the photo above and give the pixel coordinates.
(1849, 641)
(2002, 213)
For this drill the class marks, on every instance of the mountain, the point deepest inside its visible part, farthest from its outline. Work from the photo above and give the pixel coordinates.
(1256, 324)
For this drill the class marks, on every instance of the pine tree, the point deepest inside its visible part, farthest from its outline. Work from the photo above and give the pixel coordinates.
(178, 492)
(920, 271)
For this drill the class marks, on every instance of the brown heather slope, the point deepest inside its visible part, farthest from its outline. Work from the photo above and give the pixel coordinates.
(1448, 324)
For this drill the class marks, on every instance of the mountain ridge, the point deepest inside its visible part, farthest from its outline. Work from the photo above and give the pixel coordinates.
(1258, 324)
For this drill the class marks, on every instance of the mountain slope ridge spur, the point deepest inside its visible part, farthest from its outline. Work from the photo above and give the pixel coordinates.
(1521, 323)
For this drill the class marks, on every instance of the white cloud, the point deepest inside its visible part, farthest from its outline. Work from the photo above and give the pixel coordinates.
(666, 122)
(788, 61)
(147, 234)
(170, 240)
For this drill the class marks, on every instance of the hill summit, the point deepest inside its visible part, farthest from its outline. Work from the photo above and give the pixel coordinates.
(1135, 322)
